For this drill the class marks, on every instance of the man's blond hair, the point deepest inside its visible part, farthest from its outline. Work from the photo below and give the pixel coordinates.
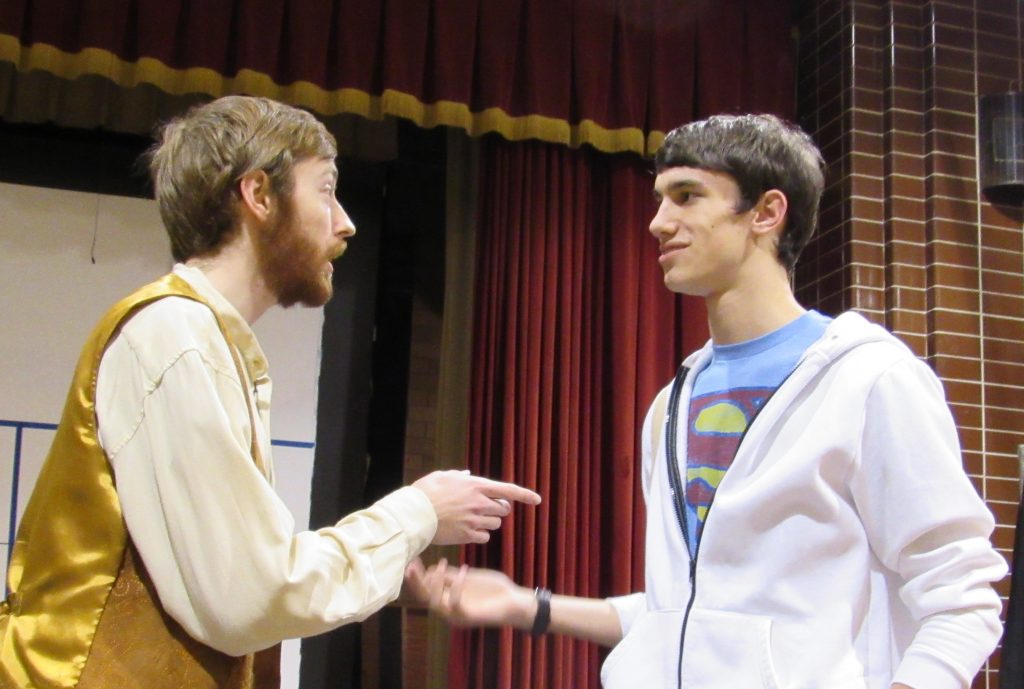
(200, 158)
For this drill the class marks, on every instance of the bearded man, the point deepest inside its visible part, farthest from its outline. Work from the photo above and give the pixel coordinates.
(154, 551)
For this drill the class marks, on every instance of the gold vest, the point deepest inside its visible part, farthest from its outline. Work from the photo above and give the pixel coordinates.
(82, 611)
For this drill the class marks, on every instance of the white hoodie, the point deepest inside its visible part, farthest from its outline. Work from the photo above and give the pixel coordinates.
(845, 548)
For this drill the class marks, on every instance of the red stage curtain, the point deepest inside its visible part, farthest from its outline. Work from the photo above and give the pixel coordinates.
(575, 334)
(615, 74)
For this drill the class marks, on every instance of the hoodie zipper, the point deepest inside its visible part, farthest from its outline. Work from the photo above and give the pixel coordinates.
(678, 495)
(678, 502)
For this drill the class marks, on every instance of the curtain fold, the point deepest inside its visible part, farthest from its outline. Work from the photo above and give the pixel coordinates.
(614, 74)
(574, 336)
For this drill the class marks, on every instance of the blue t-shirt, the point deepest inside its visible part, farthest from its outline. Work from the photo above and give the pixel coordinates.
(727, 394)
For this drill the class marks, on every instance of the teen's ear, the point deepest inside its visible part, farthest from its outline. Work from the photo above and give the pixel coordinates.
(770, 213)
(257, 198)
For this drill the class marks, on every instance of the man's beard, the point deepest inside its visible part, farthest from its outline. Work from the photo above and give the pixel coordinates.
(290, 262)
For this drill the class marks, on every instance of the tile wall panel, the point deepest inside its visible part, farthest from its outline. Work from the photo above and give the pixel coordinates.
(889, 91)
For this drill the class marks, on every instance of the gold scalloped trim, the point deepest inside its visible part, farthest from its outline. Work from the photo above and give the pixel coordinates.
(99, 62)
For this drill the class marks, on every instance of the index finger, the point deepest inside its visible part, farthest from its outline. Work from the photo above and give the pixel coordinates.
(509, 491)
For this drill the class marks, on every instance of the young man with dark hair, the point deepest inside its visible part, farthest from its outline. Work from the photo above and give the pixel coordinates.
(154, 552)
(809, 522)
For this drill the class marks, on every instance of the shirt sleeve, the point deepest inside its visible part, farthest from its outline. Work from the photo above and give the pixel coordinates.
(927, 524)
(215, 538)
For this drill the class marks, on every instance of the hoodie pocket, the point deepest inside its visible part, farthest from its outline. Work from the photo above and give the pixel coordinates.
(648, 656)
(726, 649)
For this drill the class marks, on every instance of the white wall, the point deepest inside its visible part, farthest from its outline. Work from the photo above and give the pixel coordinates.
(65, 257)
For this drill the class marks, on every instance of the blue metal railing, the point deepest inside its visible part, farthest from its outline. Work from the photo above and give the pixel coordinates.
(19, 428)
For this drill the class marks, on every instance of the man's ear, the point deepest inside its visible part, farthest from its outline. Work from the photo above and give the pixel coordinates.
(257, 196)
(770, 213)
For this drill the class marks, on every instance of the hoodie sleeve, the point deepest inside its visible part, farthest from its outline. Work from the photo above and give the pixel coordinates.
(628, 608)
(927, 524)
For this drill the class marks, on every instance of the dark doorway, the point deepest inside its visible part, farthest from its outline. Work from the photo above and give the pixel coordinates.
(398, 209)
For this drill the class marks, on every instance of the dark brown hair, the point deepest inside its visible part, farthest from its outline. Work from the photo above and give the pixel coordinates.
(760, 152)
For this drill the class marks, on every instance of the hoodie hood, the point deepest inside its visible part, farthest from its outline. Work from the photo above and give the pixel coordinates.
(846, 332)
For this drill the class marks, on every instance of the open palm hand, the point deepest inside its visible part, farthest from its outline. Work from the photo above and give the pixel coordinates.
(471, 597)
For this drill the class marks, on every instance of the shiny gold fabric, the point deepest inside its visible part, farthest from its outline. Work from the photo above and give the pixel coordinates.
(81, 610)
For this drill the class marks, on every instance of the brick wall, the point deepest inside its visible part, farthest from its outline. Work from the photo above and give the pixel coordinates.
(889, 91)
(424, 367)
(420, 459)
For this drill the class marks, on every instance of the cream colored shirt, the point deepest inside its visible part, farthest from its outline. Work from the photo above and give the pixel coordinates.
(215, 538)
